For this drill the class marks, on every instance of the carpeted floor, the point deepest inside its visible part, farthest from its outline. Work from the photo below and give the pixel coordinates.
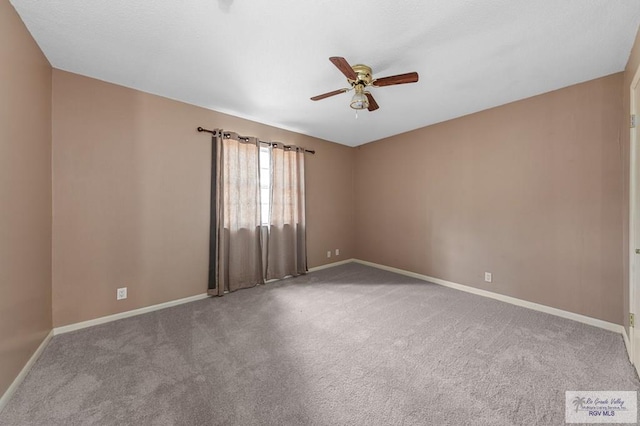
(350, 345)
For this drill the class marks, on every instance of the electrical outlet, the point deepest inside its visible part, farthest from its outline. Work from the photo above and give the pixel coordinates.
(329, 254)
(488, 277)
(337, 252)
(121, 293)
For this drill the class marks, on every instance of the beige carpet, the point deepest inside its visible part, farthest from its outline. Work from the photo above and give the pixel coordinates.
(350, 345)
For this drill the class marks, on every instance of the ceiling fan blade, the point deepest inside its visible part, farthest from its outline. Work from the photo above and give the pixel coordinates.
(410, 77)
(344, 67)
(373, 105)
(326, 95)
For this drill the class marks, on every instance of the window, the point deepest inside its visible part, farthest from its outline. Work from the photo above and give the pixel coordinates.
(265, 182)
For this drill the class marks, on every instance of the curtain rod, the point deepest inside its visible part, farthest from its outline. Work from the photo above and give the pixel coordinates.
(213, 132)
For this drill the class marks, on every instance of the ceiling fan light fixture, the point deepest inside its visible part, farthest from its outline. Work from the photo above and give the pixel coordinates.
(359, 100)
(360, 77)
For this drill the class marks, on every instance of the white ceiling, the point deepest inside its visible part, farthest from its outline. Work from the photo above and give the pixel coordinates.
(263, 60)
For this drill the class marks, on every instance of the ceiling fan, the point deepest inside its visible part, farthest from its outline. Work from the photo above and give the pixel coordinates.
(359, 77)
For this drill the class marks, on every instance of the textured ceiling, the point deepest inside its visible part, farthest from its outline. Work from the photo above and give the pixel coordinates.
(263, 60)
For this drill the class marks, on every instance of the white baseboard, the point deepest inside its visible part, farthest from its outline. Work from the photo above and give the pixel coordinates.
(627, 343)
(23, 373)
(508, 299)
(331, 265)
(127, 314)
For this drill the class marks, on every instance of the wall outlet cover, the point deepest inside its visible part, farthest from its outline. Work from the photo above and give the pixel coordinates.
(121, 293)
(488, 277)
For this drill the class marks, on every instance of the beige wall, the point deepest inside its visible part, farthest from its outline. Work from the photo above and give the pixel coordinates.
(629, 72)
(25, 196)
(530, 191)
(131, 179)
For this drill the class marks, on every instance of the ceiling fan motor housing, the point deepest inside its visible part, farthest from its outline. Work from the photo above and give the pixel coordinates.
(364, 75)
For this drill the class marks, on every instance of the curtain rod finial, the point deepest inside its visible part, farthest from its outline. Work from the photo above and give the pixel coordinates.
(200, 129)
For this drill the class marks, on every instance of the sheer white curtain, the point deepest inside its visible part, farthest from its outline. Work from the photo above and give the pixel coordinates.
(286, 246)
(239, 250)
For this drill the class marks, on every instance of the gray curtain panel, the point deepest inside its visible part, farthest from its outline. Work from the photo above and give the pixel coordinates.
(239, 242)
(286, 245)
